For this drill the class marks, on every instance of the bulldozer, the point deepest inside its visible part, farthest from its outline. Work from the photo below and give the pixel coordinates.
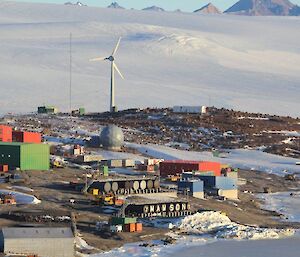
(57, 164)
(108, 199)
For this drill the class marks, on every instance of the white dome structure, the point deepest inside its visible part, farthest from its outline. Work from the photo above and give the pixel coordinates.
(112, 137)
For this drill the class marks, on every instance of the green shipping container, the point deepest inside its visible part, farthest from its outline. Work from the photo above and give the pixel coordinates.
(25, 156)
(122, 221)
(81, 111)
(104, 170)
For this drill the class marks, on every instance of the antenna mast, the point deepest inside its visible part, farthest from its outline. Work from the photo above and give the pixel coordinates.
(70, 88)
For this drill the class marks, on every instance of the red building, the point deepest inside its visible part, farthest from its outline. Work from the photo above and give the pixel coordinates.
(26, 137)
(5, 133)
(178, 166)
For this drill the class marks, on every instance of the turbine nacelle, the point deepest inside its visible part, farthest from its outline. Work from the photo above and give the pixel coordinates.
(110, 58)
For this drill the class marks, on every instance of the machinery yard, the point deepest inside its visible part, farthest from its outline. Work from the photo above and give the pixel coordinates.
(104, 194)
(55, 193)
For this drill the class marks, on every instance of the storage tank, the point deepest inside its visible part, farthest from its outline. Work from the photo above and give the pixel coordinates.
(112, 138)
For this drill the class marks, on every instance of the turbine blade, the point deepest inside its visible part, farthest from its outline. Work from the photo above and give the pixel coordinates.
(117, 46)
(117, 69)
(97, 59)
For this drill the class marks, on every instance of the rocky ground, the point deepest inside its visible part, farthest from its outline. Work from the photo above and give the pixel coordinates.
(55, 193)
(219, 129)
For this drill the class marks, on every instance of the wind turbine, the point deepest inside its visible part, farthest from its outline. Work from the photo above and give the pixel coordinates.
(114, 67)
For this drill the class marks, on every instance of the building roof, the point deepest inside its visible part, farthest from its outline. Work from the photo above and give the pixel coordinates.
(19, 143)
(37, 232)
(11, 143)
(182, 162)
(187, 162)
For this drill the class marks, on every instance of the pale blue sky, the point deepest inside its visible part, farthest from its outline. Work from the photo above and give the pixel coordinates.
(185, 5)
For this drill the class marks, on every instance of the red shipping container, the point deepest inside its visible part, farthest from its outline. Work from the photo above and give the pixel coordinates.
(179, 166)
(5, 133)
(26, 137)
(138, 227)
(4, 168)
(130, 227)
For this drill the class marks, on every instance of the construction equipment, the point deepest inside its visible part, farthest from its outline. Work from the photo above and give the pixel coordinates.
(173, 178)
(57, 164)
(108, 199)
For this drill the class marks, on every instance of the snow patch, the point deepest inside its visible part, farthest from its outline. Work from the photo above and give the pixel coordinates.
(222, 227)
(285, 203)
(237, 158)
(21, 198)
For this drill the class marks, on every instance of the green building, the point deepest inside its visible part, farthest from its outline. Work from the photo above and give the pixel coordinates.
(25, 156)
(81, 111)
(47, 109)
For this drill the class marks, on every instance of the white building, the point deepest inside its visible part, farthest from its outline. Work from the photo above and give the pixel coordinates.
(41, 241)
(190, 109)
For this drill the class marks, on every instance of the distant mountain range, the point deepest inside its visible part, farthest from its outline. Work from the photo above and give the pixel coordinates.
(154, 8)
(208, 9)
(115, 5)
(242, 7)
(264, 8)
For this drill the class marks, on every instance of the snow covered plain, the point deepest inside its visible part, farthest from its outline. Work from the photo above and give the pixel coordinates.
(246, 63)
(238, 158)
(284, 203)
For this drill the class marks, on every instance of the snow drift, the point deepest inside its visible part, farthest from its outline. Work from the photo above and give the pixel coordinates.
(222, 227)
(246, 63)
(21, 198)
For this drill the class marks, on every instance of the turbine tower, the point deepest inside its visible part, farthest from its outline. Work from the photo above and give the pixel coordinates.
(114, 67)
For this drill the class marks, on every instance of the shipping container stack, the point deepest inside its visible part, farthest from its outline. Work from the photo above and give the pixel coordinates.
(119, 224)
(26, 137)
(22, 149)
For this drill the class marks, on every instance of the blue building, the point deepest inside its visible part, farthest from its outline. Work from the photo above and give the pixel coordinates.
(193, 187)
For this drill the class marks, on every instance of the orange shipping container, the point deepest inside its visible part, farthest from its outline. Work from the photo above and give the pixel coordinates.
(211, 166)
(138, 227)
(130, 227)
(4, 168)
(26, 137)
(119, 202)
(5, 133)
